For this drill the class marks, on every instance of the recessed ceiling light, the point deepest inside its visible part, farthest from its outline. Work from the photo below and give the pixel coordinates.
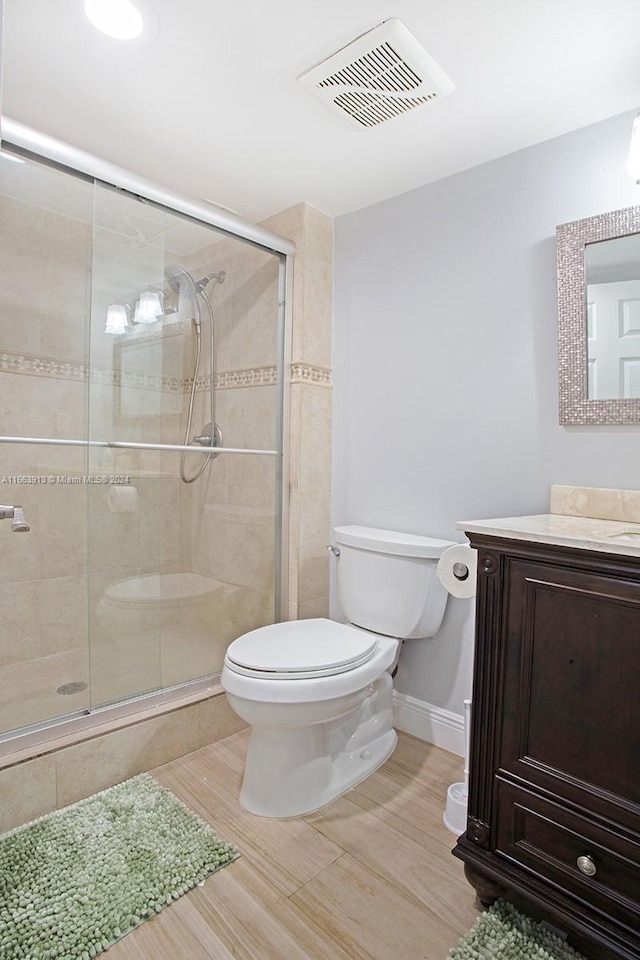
(117, 18)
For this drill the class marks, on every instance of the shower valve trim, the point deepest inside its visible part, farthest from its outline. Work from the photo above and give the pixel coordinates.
(16, 514)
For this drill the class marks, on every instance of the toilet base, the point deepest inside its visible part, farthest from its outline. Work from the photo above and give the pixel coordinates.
(305, 752)
(340, 774)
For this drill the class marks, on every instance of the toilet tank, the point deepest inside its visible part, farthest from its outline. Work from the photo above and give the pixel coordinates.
(388, 583)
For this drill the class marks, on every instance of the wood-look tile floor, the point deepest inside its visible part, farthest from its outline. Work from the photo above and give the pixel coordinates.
(369, 877)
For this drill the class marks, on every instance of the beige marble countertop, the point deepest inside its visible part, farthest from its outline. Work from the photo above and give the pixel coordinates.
(586, 533)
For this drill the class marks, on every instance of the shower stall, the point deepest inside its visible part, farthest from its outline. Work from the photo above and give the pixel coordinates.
(142, 403)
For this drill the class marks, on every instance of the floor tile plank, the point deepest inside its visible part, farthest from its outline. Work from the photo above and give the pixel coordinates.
(371, 917)
(368, 877)
(288, 852)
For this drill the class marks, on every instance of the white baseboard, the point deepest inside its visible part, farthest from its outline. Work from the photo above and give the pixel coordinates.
(429, 723)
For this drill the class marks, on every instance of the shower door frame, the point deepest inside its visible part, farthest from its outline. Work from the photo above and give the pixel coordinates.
(24, 141)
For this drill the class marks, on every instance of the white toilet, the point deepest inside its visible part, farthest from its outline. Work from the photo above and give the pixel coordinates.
(318, 694)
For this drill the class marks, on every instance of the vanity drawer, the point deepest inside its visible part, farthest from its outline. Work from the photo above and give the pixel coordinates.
(575, 854)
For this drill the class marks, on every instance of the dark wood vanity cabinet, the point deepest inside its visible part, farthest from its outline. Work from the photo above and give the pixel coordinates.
(554, 792)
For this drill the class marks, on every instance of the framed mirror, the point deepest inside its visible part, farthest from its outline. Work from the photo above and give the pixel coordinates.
(149, 371)
(598, 262)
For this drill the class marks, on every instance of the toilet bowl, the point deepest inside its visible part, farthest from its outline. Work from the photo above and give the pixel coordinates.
(318, 693)
(319, 704)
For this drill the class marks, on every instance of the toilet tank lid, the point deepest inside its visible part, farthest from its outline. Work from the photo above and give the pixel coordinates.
(391, 541)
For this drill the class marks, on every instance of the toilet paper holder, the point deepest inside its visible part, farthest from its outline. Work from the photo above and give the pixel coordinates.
(457, 568)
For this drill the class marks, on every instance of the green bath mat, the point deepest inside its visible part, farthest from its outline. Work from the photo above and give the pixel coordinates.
(503, 933)
(75, 881)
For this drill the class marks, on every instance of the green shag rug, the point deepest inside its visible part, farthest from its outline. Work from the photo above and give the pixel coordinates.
(503, 933)
(75, 881)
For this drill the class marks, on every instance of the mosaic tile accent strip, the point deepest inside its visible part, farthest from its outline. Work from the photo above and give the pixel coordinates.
(141, 381)
(571, 239)
(254, 377)
(36, 366)
(268, 376)
(307, 373)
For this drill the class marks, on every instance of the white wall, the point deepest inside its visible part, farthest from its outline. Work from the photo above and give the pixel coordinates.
(445, 362)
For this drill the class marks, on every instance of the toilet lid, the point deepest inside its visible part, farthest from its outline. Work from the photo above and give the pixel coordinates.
(300, 649)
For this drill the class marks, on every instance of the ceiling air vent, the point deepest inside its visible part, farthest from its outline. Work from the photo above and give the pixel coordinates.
(378, 76)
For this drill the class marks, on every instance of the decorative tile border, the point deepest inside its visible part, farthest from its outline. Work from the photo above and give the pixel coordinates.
(267, 376)
(35, 366)
(141, 381)
(307, 373)
(254, 377)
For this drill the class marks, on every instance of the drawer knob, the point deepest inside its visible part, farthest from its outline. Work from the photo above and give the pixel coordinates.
(586, 866)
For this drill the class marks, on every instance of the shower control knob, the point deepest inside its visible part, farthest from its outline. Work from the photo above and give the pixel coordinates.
(586, 866)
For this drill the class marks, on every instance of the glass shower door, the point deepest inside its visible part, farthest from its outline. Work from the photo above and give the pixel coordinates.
(45, 266)
(178, 567)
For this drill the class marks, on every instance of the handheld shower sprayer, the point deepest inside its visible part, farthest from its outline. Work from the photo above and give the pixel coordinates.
(181, 281)
(219, 277)
(183, 284)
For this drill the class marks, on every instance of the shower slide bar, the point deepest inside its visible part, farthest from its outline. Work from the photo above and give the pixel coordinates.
(126, 445)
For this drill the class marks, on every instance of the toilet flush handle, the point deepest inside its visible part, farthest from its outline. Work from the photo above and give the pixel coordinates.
(333, 549)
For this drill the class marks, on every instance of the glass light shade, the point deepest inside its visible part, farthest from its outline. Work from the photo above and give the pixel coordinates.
(117, 319)
(149, 307)
(633, 163)
(117, 18)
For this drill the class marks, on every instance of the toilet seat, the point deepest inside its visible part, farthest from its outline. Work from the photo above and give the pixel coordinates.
(300, 650)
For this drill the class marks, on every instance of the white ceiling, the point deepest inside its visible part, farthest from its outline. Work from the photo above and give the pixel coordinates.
(211, 106)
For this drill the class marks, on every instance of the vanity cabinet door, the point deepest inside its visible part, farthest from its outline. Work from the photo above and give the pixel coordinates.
(554, 788)
(571, 707)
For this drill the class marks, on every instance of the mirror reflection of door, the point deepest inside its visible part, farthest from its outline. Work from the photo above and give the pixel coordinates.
(613, 331)
(613, 318)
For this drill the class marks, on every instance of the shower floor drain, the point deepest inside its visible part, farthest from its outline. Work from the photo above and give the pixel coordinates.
(76, 686)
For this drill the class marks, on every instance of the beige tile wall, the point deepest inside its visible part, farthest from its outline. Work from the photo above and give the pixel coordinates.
(230, 518)
(31, 788)
(229, 514)
(311, 408)
(45, 261)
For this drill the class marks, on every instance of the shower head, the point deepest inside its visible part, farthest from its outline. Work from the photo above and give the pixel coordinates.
(181, 281)
(219, 277)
